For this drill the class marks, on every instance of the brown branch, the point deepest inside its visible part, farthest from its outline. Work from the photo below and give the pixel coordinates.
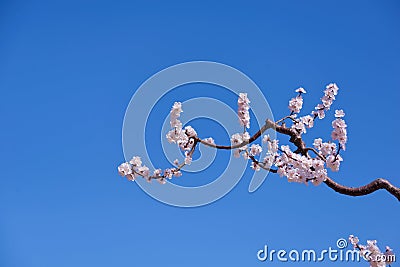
(295, 137)
(265, 127)
(375, 185)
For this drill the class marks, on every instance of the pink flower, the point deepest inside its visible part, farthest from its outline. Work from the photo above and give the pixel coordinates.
(136, 161)
(157, 172)
(269, 160)
(236, 139)
(168, 173)
(301, 90)
(190, 132)
(308, 120)
(333, 162)
(143, 171)
(299, 126)
(317, 143)
(266, 138)
(328, 148)
(332, 88)
(295, 104)
(339, 113)
(319, 111)
(124, 169)
(131, 177)
(255, 149)
(273, 146)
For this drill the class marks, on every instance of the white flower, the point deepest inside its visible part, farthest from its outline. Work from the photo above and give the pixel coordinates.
(157, 172)
(339, 123)
(236, 139)
(317, 143)
(327, 101)
(176, 162)
(282, 171)
(295, 104)
(176, 124)
(143, 171)
(299, 126)
(333, 162)
(332, 87)
(168, 173)
(269, 160)
(255, 149)
(320, 111)
(339, 113)
(320, 176)
(353, 240)
(124, 169)
(136, 161)
(266, 138)
(308, 120)
(176, 136)
(301, 90)
(318, 164)
(131, 177)
(328, 148)
(286, 148)
(273, 146)
(245, 136)
(190, 132)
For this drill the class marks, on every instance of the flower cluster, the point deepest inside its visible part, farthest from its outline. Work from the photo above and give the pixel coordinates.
(297, 168)
(243, 110)
(339, 129)
(372, 253)
(328, 150)
(330, 91)
(134, 168)
(236, 140)
(296, 103)
(182, 137)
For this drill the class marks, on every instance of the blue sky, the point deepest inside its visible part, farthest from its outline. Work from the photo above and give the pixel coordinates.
(68, 70)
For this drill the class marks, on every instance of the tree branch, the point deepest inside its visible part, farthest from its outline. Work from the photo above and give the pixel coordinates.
(375, 185)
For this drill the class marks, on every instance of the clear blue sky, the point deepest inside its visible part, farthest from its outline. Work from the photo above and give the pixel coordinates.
(68, 70)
